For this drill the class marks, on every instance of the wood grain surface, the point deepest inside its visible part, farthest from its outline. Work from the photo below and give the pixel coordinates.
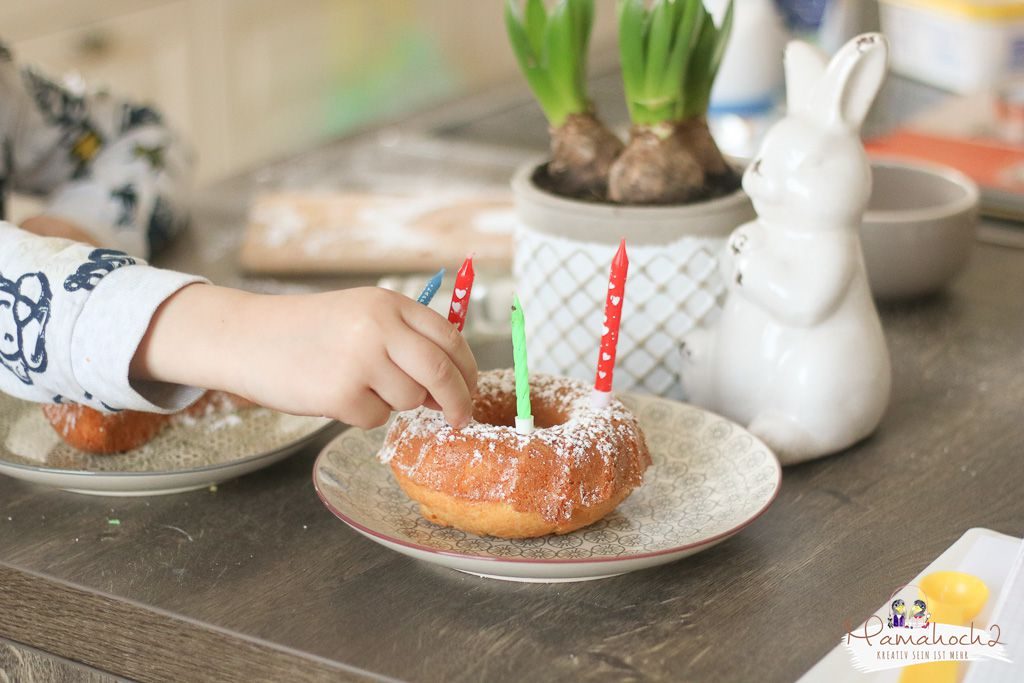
(259, 574)
(21, 664)
(257, 581)
(143, 644)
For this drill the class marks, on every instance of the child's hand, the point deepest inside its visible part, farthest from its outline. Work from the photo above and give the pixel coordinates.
(353, 355)
(52, 226)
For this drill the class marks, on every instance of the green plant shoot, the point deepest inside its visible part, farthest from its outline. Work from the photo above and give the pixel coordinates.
(670, 54)
(551, 49)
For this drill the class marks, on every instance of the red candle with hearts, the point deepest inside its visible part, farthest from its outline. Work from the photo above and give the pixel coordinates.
(610, 332)
(460, 297)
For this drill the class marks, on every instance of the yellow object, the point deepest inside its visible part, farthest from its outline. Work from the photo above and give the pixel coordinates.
(952, 598)
(992, 10)
(86, 147)
(933, 672)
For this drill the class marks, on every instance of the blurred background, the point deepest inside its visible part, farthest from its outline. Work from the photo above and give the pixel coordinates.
(252, 81)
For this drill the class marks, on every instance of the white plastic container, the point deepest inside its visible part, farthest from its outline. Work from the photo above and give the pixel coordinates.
(959, 45)
(750, 77)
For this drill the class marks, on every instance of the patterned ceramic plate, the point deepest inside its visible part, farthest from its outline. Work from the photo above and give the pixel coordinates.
(188, 454)
(710, 479)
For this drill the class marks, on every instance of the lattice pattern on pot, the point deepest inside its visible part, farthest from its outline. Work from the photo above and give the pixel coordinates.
(671, 289)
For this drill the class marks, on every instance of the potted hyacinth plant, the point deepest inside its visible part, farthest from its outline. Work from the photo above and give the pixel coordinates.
(668, 190)
(670, 55)
(552, 53)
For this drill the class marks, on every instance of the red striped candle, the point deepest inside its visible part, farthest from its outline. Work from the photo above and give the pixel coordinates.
(612, 319)
(460, 297)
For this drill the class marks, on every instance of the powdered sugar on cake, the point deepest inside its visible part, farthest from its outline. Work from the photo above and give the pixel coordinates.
(576, 462)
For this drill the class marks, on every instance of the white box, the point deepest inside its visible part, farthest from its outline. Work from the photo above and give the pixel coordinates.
(959, 45)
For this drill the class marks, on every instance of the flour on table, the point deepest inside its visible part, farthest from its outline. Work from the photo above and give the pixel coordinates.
(390, 225)
(282, 223)
(361, 232)
(495, 222)
(315, 243)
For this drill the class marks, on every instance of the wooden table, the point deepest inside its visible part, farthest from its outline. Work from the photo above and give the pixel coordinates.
(257, 581)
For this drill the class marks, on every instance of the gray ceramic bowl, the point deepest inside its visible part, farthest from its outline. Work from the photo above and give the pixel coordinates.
(919, 229)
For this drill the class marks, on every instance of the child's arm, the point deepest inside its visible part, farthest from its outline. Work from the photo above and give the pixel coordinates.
(353, 355)
(106, 165)
(97, 327)
(71, 319)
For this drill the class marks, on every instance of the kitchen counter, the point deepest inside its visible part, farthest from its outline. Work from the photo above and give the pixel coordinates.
(256, 580)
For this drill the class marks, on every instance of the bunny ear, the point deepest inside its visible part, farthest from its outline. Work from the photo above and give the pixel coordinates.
(852, 80)
(805, 65)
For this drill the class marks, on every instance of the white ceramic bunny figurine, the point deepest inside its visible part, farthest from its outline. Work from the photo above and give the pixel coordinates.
(798, 354)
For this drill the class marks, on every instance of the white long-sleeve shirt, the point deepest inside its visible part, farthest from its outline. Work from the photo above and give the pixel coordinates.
(71, 315)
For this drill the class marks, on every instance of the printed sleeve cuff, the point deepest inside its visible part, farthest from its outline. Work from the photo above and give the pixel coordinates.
(87, 204)
(109, 330)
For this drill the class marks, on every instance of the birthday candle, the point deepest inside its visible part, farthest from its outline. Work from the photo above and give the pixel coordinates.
(460, 296)
(524, 417)
(610, 332)
(431, 289)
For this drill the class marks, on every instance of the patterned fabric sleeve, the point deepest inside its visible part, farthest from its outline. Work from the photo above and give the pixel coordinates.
(71, 319)
(109, 165)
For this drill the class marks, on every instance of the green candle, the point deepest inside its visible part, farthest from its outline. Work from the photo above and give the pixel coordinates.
(519, 360)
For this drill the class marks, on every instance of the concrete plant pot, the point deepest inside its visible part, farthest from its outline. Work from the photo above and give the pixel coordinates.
(564, 248)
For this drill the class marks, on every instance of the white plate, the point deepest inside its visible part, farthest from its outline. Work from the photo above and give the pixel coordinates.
(185, 455)
(710, 479)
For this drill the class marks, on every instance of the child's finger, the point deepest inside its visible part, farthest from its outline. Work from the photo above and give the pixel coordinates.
(397, 389)
(434, 370)
(446, 336)
(369, 411)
